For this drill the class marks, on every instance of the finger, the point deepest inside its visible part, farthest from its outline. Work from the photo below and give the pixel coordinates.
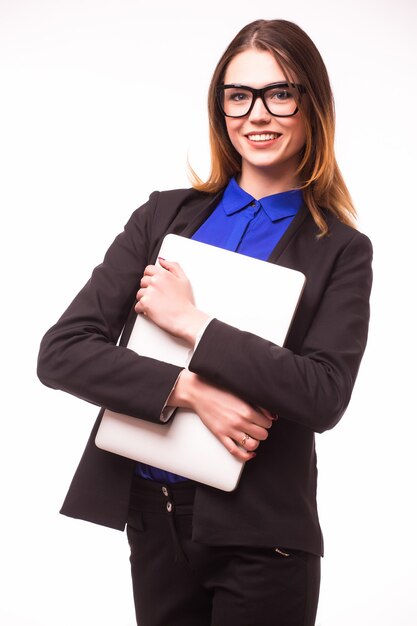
(151, 270)
(250, 420)
(255, 432)
(145, 281)
(268, 414)
(236, 450)
(172, 266)
(260, 419)
(140, 293)
(248, 443)
(140, 306)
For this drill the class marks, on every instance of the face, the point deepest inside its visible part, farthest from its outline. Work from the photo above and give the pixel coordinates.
(269, 145)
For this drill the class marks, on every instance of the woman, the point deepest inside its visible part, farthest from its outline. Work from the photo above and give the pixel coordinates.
(199, 555)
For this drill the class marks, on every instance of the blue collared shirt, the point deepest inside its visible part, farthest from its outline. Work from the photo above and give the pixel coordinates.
(248, 226)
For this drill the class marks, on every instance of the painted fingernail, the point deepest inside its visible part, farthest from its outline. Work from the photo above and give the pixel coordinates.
(162, 258)
(274, 416)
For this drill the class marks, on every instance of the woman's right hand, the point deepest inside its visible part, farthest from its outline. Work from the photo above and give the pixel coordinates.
(236, 424)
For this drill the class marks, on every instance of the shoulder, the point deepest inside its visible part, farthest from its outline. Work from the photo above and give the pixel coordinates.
(186, 192)
(345, 236)
(343, 247)
(341, 241)
(170, 201)
(344, 252)
(162, 210)
(180, 196)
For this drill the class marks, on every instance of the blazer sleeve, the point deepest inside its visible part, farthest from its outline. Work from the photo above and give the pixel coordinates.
(313, 386)
(79, 354)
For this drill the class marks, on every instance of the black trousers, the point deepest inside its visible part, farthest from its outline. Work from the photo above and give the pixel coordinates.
(179, 582)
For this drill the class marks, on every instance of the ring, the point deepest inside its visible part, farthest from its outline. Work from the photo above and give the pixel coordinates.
(244, 440)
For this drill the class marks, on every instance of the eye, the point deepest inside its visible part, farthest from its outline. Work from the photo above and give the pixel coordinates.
(279, 95)
(237, 96)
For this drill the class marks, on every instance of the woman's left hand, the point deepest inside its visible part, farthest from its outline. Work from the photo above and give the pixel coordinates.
(166, 297)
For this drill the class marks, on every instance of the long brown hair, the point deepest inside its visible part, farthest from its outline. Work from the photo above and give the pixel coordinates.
(319, 175)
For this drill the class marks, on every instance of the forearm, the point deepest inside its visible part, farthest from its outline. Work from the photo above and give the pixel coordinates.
(312, 385)
(79, 353)
(114, 377)
(291, 386)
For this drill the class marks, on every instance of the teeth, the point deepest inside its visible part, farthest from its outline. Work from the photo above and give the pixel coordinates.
(263, 136)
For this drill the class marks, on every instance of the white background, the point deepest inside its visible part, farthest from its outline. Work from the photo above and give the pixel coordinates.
(101, 102)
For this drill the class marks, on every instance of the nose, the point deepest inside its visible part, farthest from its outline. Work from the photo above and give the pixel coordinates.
(259, 111)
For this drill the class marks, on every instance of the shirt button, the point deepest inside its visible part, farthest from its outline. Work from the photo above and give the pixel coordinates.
(253, 203)
(169, 507)
(165, 491)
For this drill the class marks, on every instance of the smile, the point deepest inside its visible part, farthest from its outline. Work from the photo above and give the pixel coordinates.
(263, 136)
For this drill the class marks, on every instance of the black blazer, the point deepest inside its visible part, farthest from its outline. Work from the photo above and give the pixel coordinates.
(308, 382)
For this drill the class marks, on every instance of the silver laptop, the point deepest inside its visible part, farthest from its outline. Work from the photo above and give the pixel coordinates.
(222, 283)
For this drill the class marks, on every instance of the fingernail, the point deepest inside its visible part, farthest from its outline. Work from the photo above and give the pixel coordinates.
(162, 258)
(274, 416)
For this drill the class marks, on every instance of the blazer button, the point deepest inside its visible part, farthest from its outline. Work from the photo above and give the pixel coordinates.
(169, 507)
(165, 491)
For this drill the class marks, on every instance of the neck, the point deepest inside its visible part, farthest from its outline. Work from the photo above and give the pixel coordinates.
(262, 182)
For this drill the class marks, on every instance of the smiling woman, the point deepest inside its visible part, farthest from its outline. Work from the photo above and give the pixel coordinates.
(275, 193)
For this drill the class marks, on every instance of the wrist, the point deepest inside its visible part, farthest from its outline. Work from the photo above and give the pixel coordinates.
(184, 391)
(192, 324)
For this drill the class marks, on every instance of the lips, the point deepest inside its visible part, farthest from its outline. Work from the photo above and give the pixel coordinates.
(262, 136)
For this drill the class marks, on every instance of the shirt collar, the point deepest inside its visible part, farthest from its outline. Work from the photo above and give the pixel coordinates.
(276, 206)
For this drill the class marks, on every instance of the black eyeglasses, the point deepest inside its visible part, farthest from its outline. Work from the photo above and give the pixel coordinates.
(280, 99)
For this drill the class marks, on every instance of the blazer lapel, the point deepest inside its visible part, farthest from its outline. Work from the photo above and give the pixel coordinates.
(187, 220)
(191, 218)
(289, 234)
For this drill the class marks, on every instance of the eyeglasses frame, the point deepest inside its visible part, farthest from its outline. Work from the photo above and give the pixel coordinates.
(258, 93)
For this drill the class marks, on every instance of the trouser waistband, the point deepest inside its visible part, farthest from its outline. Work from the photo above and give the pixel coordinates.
(155, 497)
(170, 500)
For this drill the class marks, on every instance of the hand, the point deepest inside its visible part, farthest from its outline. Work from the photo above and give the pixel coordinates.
(233, 421)
(166, 297)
